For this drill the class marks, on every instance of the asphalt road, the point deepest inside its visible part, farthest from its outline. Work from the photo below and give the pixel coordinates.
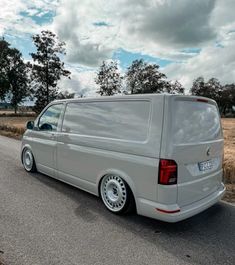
(44, 221)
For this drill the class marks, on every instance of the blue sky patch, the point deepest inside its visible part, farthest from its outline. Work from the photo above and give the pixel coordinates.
(40, 17)
(24, 45)
(191, 50)
(100, 24)
(219, 45)
(126, 58)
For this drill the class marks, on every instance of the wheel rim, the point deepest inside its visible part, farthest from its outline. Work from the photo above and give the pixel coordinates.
(113, 192)
(27, 159)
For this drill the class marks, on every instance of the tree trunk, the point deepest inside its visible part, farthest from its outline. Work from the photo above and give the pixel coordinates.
(224, 110)
(47, 94)
(47, 77)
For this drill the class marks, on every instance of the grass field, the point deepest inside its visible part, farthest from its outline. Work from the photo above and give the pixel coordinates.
(15, 126)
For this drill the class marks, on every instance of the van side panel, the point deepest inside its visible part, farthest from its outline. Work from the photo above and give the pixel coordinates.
(83, 159)
(99, 124)
(85, 166)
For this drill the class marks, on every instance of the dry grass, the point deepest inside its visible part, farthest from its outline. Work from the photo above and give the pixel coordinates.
(13, 126)
(230, 193)
(18, 122)
(229, 150)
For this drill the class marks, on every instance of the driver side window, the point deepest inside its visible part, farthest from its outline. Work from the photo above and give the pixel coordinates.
(50, 118)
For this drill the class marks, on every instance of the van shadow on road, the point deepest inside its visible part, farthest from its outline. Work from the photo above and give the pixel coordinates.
(205, 238)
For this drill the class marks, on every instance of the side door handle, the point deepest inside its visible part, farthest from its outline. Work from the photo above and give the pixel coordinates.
(53, 136)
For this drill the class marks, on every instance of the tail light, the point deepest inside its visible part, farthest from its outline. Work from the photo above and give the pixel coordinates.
(167, 172)
(202, 100)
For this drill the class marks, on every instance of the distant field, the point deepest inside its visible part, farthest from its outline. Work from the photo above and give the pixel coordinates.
(229, 158)
(15, 126)
(7, 112)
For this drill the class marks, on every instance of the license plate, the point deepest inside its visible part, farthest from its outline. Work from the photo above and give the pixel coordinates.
(205, 165)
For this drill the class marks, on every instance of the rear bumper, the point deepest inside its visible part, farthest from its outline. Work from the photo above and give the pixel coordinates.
(149, 208)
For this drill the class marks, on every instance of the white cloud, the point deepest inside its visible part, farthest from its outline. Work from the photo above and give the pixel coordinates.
(81, 82)
(13, 21)
(86, 43)
(158, 28)
(211, 62)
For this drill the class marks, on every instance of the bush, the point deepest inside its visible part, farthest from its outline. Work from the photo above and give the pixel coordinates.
(15, 130)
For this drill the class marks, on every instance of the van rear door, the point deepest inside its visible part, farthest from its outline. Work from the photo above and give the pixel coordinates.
(192, 136)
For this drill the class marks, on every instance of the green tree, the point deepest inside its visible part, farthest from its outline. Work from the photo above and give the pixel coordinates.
(65, 95)
(226, 101)
(223, 95)
(47, 68)
(198, 87)
(109, 79)
(142, 77)
(4, 60)
(174, 88)
(210, 89)
(18, 79)
(213, 88)
(13, 75)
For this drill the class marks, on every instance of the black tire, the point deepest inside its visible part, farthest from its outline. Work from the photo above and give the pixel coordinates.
(116, 195)
(28, 160)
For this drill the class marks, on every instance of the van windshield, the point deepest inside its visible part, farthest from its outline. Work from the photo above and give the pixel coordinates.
(195, 122)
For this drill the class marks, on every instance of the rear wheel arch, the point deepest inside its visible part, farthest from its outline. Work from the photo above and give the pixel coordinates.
(126, 179)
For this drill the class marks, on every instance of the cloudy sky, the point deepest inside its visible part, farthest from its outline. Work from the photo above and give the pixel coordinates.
(186, 38)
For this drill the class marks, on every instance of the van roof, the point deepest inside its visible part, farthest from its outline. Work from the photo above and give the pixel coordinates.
(113, 97)
(132, 96)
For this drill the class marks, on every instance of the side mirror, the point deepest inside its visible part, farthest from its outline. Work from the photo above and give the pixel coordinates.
(30, 125)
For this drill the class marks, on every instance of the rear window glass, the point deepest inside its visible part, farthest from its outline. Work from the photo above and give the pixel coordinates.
(195, 122)
(127, 120)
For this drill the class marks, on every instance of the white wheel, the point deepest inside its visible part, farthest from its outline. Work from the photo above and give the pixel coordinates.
(115, 193)
(28, 160)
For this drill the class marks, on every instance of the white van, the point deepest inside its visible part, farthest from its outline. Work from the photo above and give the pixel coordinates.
(159, 154)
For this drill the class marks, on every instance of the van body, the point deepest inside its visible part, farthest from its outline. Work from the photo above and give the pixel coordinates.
(163, 151)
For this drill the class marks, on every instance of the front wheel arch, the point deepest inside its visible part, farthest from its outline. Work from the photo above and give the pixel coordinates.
(34, 167)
